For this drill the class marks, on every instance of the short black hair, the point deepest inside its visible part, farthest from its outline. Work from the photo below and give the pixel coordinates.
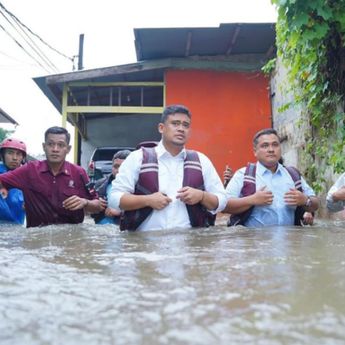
(123, 154)
(57, 130)
(174, 109)
(266, 131)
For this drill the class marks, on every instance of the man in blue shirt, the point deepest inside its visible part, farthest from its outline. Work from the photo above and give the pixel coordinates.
(103, 188)
(13, 154)
(275, 197)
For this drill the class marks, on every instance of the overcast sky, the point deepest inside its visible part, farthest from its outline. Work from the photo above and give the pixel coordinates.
(109, 40)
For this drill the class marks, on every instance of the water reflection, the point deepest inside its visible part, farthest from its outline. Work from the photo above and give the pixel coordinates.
(87, 284)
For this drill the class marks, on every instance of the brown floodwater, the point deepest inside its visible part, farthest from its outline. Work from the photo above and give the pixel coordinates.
(88, 284)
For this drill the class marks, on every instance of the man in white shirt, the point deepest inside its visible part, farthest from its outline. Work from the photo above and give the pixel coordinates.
(336, 195)
(169, 189)
(269, 196)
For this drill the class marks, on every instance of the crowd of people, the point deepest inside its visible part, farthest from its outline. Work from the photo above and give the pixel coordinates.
(162, 187)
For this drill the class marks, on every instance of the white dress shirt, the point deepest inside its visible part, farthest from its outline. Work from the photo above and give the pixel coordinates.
(279, 182)
(170, 179)
(336, 206)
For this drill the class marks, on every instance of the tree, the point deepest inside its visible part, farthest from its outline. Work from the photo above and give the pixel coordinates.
(310, 41)
(4, 133)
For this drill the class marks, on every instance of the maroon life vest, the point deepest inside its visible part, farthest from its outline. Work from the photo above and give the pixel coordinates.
(249, 188)
(148, 184)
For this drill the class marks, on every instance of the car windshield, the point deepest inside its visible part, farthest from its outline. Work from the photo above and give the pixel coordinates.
(104, 155)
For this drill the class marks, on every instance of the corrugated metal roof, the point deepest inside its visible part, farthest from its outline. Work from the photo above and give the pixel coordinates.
(227, 39)
(236, 46)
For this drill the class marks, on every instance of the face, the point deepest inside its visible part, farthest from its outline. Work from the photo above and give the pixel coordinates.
(56, 148)
(176, 129)
(13, 158)
(116, 166)
(268, 150)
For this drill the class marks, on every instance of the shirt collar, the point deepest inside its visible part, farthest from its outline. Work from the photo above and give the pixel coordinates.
(65, 168)
(160, 150)
(261, 169)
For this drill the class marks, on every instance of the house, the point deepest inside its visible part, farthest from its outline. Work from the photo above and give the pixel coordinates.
(215, 72)
(5, 118)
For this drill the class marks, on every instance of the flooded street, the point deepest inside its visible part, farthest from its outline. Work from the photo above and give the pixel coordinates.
(90, 284)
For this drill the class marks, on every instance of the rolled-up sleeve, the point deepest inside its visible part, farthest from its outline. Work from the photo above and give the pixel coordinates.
(335, 206)
(307, 190)
(212, 182)
(126, 179)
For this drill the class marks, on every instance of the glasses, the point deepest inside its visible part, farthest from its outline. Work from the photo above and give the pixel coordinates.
(59, 145)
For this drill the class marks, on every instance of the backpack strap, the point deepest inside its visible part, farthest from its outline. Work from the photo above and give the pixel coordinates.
(296, 177)
(192, 177)
(147, 184)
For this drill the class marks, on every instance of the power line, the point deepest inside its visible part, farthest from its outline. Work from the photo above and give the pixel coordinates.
(22, 25)
(1, 27)
(36, 35)
(32, 45)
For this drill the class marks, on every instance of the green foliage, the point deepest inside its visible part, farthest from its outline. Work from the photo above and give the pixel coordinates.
(310, 40)
(4, 133)
(269, 67)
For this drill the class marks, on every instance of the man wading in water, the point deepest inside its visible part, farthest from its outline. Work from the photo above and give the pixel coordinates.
(267, 193)
(13, 154)
(54, 190)
(167, 186)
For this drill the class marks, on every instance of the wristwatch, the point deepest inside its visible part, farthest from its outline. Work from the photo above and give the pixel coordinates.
(308, 202)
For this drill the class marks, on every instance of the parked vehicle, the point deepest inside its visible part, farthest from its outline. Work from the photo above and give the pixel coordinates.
(101, 160)
(147, 144)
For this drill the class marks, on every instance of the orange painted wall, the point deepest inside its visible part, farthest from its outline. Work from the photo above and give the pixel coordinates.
(228, 108)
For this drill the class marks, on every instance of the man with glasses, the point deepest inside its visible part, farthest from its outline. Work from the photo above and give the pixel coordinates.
(55, 191)
(167, 186)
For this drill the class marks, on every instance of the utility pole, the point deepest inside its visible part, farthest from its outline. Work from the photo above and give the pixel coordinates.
(81, 51)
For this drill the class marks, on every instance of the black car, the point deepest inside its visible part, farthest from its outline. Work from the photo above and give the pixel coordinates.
(101, 160)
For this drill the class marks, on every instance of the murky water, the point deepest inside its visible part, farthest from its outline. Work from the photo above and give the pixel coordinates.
(90, 284)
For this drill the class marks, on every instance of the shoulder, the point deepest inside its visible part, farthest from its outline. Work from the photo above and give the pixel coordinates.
(239, 173)
(204, 160)
(101, 181)
(76, 171)
(74, 167)
(135, 157)
(341, 178)
(3, 168)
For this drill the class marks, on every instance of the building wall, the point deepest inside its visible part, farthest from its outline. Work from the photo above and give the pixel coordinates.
(288, 121)
(118, 130)
(228, 108)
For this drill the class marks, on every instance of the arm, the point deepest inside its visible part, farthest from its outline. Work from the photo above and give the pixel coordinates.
(336, 195)
(192, 196)
(227, 175)
(339, 195)
(307, 199)
(156, 201)
(5, 211)
(296, 198)
(75, 202)
(121, 195)
(214, 197)
(262, 197)
(14, 178)
(237, 204)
